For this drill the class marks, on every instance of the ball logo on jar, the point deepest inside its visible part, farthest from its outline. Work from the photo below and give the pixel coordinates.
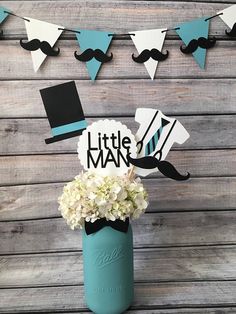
(104, 257)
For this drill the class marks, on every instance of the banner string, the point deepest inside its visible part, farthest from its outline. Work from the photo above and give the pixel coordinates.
(68, 30)
(125, 34)
(170, 29)
(20, 17)
(116, 35)
(213, 16)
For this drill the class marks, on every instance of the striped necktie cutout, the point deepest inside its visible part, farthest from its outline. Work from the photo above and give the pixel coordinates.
(152, 144)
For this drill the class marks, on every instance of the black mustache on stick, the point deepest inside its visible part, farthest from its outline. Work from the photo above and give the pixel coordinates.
(165, 167)
(89, 54)
(201, 42)
(36, 44)
(146, 54)
(231, 33)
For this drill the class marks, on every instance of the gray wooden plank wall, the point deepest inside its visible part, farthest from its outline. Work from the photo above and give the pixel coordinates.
(185, 245)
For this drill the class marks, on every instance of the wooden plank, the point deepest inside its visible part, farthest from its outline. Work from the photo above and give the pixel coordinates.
(29, 201)
(16, 63)
(208, 1)
(31, 169)
(160, 295)
(150, 265)
(151, 230)
(230, 2)
(123, 15)
(205, 132)
(202, 1)
(218, 310)
(173, 96)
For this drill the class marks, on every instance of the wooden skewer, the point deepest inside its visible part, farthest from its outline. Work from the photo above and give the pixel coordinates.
(131, 173)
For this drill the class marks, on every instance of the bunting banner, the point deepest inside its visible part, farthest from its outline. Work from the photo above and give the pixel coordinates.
(194, 34)
(229, 17)
(42, 36)
(94, 46)
(149, 45)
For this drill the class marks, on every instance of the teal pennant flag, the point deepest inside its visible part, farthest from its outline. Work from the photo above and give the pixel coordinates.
(3, 14)
(90, 43)
(194, 30)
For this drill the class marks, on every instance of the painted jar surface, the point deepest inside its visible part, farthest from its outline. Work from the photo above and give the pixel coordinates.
(108, 270)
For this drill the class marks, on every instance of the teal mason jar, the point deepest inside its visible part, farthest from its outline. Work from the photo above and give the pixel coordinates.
(108, 270)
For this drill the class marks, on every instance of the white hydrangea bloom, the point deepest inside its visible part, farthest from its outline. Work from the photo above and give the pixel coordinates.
(91, 196)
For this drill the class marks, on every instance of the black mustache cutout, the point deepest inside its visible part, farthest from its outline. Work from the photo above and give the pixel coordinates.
(231, 33)
(36, 44)
(89, 54)
(201, 42)
(146, 54)
(165, 167)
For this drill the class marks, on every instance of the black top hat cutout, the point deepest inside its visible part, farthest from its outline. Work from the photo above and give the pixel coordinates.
(64, 111)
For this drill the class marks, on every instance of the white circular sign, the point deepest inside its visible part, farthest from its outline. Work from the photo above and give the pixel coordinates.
(104, 146)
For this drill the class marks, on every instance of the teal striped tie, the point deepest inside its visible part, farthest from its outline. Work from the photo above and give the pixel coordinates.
(152, 144)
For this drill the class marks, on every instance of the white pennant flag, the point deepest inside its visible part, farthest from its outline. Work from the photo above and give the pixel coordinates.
(148, 40)
(229, 15)
(41, 31)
